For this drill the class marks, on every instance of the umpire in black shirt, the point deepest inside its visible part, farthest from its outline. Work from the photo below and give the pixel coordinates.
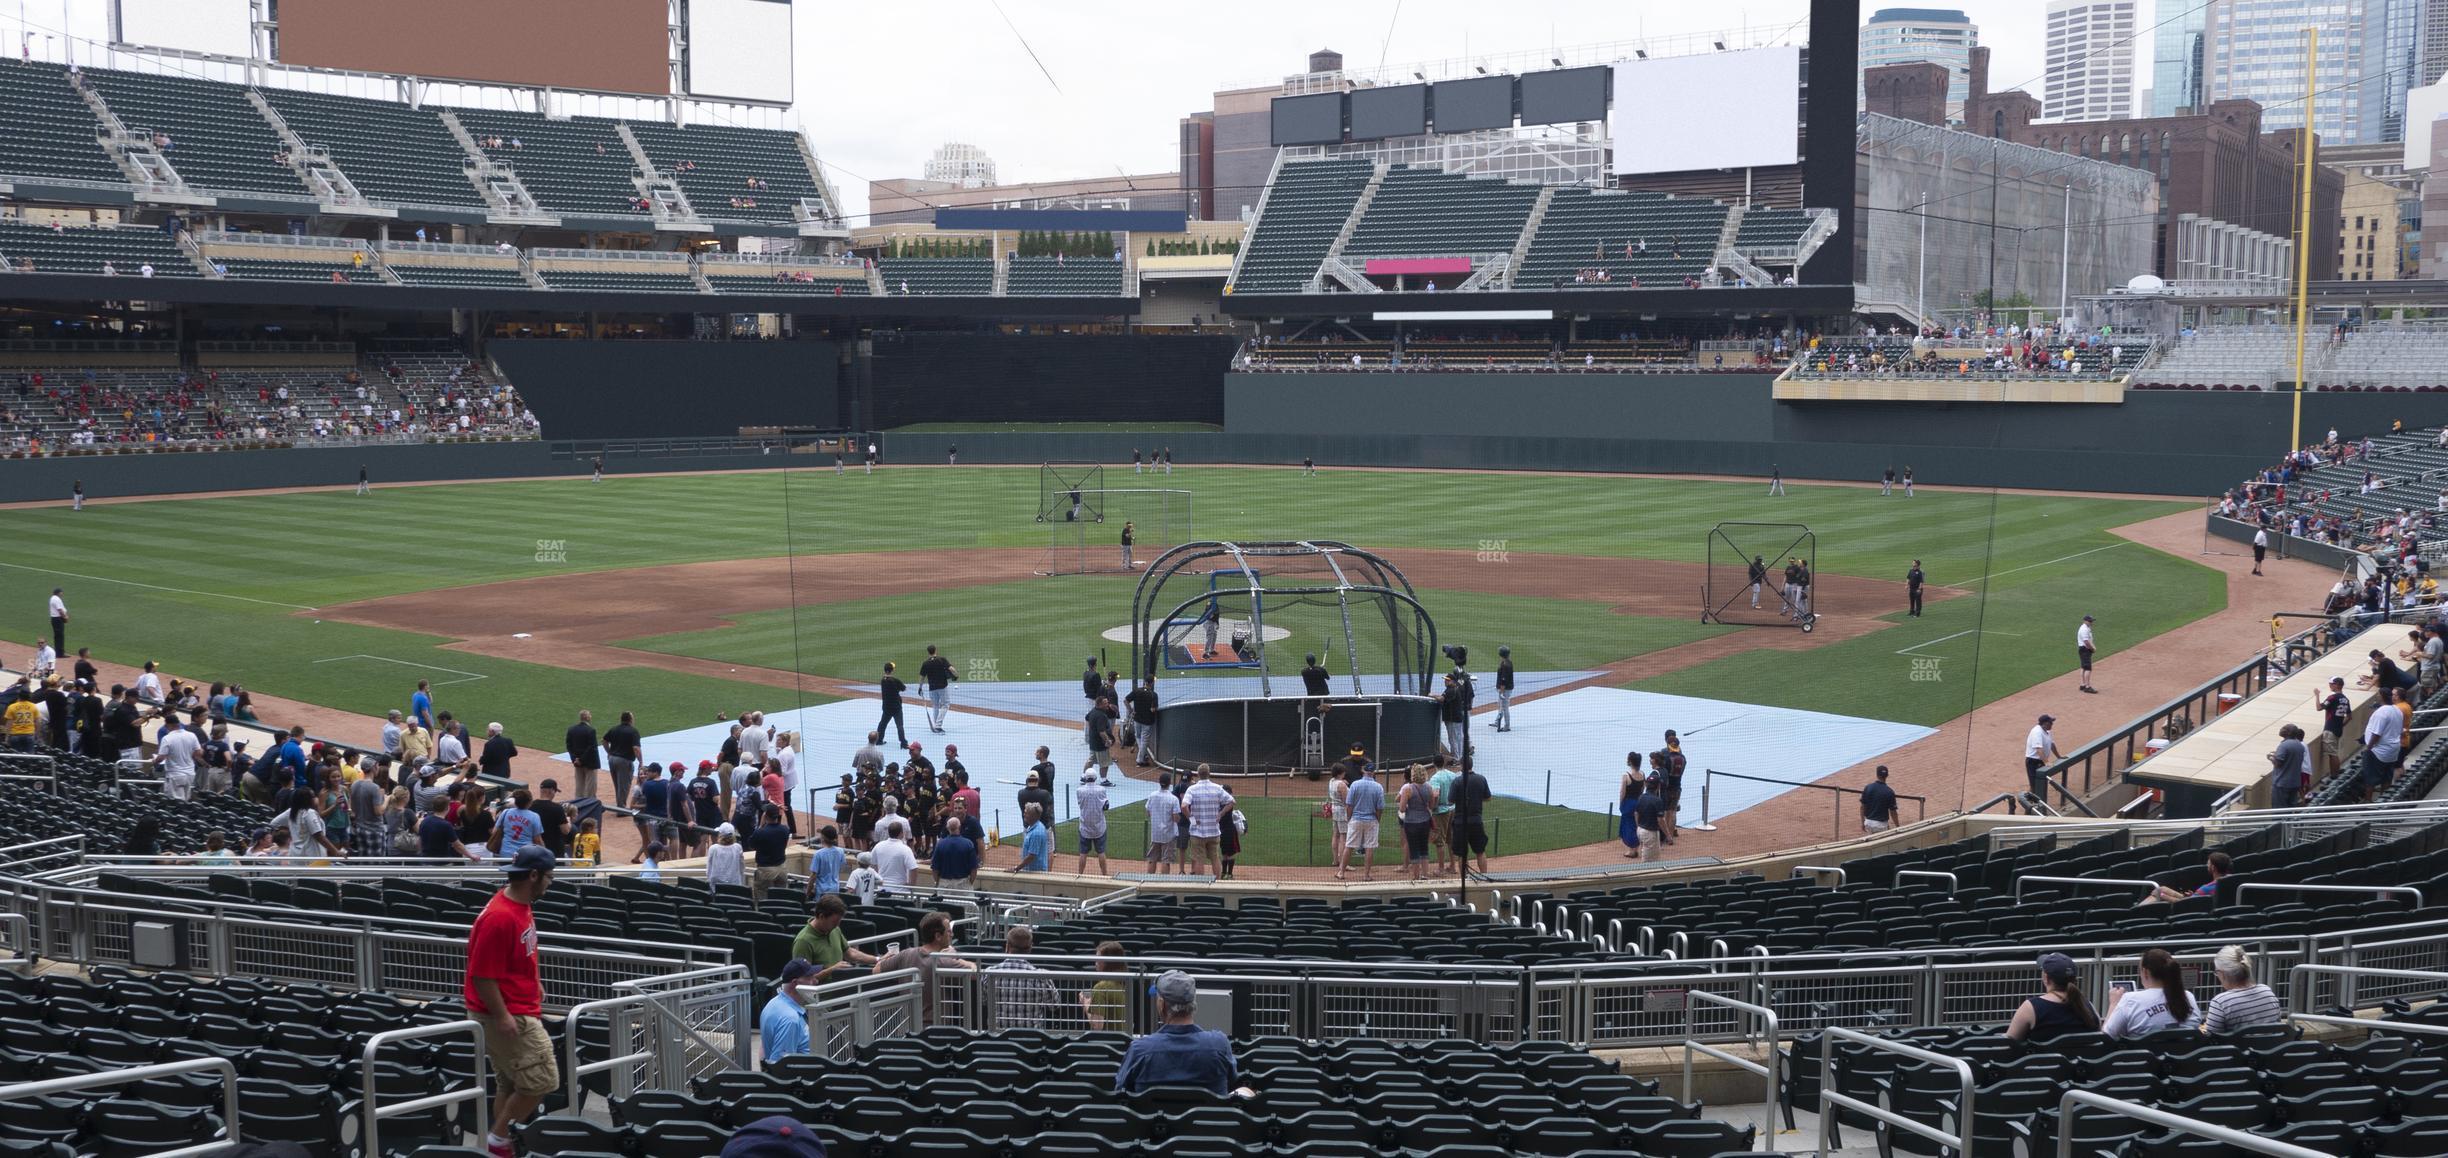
(1912, 588)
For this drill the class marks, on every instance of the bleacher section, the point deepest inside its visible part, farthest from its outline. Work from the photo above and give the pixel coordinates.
(1064, 277)
(392, 152)
(1424, 212)
(2385, 1096)
(1305, 208)
(85, 250)
(761, 278)
(626, 272)
(50, 128)
(579, 165)
(1766, 228)
(721, 159)
(1408, 929)
(1590, 230)
(218, 140)
(1022, 1092)
(1861, 357)
(937, 276)
(471, 272)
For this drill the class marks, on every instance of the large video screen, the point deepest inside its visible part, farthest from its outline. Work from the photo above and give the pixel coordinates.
(1716, 110)
(610, 45)
(1562, 95)
(219, 27)
(1377, 113)
(740, 49)
(1316, 119)
(1484, 102)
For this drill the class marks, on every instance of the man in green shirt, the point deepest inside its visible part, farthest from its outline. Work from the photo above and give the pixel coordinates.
(821, 941)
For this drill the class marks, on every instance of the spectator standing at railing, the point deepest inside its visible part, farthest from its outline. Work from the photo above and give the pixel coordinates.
(1878, 804)
(59, 623)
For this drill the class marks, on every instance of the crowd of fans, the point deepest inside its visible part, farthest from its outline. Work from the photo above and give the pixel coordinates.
(2279, 500)
(44, 413)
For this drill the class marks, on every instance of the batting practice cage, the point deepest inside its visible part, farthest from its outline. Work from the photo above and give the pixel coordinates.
(1226, 629)
(1761, 575)
(1084, 521)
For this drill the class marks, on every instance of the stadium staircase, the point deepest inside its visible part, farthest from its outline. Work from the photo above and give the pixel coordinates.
(498, 184)
(660, 189)
(138, 160)
(1332, 264)
(1002, 275)
(1521, 245)
(1729, 259)
(315, 169)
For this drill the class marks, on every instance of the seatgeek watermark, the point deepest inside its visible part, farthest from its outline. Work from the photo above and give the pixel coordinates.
(552, 551)
(1494, 551)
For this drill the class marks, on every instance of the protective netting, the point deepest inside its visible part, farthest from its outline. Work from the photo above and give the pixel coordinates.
(1157, 520)
(1761, 575)
(1070, 492)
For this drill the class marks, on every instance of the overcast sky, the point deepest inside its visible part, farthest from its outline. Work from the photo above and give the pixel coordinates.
(1123, 74)
(879, 86)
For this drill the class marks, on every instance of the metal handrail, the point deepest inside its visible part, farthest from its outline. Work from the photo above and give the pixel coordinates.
(1767, 1069)
(2273, 886)
(120, 1077)
(2076, 1099)
(1921, 803)
(1817, 869)
(475, 1093)
(2301, 976)
(1829, 1098)
(1952, 881)
(2121, 882)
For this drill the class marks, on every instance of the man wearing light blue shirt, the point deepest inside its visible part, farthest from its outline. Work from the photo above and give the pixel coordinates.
(1366, 801)
(783, 1023)
(1037, 845)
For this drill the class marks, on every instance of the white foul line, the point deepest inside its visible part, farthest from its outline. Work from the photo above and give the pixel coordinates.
(472, 677)
(2049, 562)
(1957, 635)
(152, 587)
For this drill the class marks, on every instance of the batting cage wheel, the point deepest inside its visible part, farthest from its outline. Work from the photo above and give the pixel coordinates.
(1783, 591)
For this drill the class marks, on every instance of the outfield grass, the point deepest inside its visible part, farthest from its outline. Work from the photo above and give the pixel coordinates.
(213, 587)
(1039, 629)
(1287, 831)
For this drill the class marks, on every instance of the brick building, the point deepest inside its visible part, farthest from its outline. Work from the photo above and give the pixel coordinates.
(2218, 163)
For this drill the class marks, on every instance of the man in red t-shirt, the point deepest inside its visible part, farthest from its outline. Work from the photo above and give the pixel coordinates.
(505, 993)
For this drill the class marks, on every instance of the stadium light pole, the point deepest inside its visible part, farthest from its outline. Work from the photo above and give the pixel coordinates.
(1921, 277)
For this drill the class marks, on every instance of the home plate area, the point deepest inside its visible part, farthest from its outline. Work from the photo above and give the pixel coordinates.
(1581, 737)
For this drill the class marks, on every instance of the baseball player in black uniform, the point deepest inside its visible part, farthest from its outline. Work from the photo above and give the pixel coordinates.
(1129, 536)
(1137, 467)
(1776, 480)
(1912, 589)
(1314, 686)
(1308, 466)
(892, 687)
(1759, 576)
(1504, 689)
(599, 468)
(1793, 587)
(1802, 591)
(1887, 483)
(936, 673)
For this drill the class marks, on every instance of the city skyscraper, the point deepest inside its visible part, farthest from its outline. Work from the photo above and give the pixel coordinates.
(2368, 59)
(2090, 60)
(1904, 35)
(2177, 56)
(2431, 44)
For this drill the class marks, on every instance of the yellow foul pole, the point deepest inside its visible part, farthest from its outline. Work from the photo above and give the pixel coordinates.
(2303, 229)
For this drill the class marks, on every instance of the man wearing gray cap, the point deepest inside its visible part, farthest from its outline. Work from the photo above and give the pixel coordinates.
(1179, 1053)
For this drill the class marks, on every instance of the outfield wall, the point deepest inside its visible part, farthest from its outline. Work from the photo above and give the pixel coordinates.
(659, 389)
(2157, 442)
(927, 377)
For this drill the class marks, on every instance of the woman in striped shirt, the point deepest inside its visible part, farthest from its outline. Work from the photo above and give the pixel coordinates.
(2240, 1002)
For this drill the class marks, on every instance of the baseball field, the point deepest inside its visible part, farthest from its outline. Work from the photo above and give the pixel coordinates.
(688, 596)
